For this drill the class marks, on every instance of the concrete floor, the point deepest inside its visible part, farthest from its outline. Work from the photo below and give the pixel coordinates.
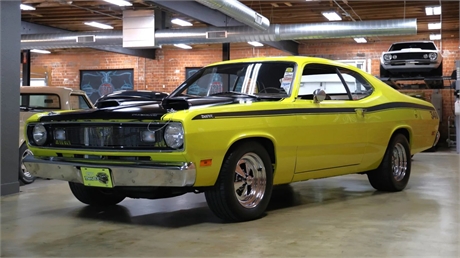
(335, 217)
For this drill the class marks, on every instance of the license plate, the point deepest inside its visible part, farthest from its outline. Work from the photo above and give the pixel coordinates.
(96, 177)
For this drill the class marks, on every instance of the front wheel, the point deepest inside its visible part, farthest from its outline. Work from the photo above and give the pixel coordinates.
(244, 186)
(393, 173)
(95, 196)
(24, 175)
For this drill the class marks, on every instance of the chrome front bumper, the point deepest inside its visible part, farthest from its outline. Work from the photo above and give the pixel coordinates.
(123, 173)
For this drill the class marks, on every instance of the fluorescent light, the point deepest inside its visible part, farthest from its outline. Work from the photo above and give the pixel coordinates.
(181, 22)
(433, 10)
(27, 7)
(434, 26)
(360, 40)
(40, 51)
(255, 43)
(332, 16)
(99, 25)
(119, 2)
(184, 46)
(435, 36)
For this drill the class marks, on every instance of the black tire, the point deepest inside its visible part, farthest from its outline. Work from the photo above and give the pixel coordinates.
(437, 72)
(384, 73)
(222, 197)
(24, 176)
(94, 195)
(386, 177)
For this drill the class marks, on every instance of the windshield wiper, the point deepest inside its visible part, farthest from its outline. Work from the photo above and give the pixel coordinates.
(235, 93)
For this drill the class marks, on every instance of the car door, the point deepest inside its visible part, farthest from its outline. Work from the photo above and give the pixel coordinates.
(332, 133)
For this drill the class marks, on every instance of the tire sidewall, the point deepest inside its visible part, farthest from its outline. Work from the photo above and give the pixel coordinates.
(22, 177)
(228, 171)
(398, 185)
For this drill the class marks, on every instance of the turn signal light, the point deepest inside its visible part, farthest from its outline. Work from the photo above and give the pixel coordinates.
(205, 162)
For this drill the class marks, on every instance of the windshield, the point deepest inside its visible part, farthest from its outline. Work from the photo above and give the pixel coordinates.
(261, 79)
(420, 45)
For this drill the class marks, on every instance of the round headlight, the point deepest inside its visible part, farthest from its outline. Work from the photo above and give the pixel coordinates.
(394, 57)
(433, 56)
(387, 57)
(39, 134)
(425, 56)
(174, 135)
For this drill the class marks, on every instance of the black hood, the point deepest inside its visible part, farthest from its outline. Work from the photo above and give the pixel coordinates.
(152, 110)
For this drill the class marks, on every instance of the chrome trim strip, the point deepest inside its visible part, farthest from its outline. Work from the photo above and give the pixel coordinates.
(124, 173)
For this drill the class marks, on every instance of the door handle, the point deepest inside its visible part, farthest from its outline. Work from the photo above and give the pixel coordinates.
(360, 111)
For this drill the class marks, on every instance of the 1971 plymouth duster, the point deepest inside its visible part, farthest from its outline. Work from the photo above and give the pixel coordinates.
(234, 130)
(36, 99)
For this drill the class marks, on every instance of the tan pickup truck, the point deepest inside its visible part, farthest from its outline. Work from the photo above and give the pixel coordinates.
(41, 99)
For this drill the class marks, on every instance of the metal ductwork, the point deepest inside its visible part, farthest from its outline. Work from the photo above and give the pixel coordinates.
(276, 32)
(239, 12)
(72, 40)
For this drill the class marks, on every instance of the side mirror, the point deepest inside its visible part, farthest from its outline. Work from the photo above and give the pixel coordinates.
(319, 95)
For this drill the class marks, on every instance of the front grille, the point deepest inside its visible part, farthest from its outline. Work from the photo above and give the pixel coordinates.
(126, 136)
(404, 56)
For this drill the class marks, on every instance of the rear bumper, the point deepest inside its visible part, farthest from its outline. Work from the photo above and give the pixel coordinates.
(123, 173)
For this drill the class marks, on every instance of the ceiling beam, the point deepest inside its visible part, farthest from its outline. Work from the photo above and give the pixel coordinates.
(215, 18)
(32, 28)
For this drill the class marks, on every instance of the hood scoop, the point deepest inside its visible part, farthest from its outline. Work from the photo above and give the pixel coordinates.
(183, 103)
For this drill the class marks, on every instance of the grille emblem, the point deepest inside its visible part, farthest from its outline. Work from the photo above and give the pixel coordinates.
(102, 134)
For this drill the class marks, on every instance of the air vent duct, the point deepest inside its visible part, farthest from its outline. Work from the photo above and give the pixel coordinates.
(276, 32)
(86, 39)
(216, 34)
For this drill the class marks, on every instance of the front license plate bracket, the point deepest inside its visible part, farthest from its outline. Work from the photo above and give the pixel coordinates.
(96, 177)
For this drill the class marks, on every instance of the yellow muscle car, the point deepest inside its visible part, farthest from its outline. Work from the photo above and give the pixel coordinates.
(234, 130)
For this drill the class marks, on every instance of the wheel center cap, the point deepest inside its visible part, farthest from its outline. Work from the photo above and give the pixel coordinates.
(249, 180)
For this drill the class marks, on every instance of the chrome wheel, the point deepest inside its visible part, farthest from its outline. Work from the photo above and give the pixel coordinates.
(399, 162)
(24, 170)
(250, 180)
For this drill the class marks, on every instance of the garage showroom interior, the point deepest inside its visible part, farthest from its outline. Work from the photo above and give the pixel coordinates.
(210, 128)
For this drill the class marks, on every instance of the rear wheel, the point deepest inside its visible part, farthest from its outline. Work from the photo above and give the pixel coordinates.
(24, 175)
(394, 171)
(244, 185)
(95, 195)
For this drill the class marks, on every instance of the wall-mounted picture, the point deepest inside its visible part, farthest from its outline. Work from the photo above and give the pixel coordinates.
(97, 83)
(189, 71)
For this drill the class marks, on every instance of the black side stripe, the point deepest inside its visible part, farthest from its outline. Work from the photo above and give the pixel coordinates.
(296, 111)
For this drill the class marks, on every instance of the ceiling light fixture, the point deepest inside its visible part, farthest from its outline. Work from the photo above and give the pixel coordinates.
(434, 26)
(40, 51)
(183, 46)
(25, 7)
(99, 25)
(119, 2)
(360, 40)
(181, 22)
(433, 10)
(332, 16)
(435, 36)
(255, 44)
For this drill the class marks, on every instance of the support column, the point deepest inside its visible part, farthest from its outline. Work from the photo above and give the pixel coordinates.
(25, 61)
(457, 110)
(225, 51)
(10, 42)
